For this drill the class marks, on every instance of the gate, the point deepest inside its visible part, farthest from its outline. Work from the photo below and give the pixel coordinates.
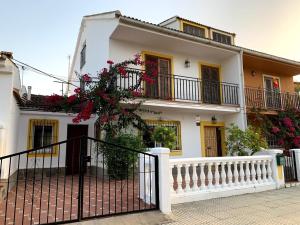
(290, 171)
(37, 188)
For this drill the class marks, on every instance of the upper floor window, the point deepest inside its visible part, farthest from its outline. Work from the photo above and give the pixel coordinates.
(82, 56)
(194, 30)
(223, 38)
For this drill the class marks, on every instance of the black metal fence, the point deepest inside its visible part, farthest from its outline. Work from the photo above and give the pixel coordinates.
(84, 178)
(182, 88)
(290, 170)
(269, 99)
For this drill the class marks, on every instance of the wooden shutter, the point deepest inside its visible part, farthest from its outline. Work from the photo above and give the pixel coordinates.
(165, 78)
(210, 84)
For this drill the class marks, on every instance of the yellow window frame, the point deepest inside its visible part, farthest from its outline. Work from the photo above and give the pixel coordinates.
(32, 123)
(177, 152)
(195, 25)
(204, 124)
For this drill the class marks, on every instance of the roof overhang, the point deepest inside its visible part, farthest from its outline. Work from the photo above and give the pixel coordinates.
(270, 64)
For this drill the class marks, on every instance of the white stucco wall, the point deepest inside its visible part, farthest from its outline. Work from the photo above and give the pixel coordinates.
(190, 132)
(63, 121)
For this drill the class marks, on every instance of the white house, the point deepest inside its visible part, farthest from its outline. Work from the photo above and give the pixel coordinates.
(206, 84)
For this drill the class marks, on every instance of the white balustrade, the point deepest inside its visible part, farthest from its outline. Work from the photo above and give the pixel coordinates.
(220, 174)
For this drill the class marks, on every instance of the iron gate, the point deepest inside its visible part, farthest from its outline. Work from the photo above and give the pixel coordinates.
(290, 171)
(37, 188)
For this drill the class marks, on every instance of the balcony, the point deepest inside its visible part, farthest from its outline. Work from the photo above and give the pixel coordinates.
(184, 89)
(270, 99)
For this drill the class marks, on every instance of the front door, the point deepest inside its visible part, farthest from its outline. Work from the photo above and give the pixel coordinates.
(162, 86)
(210, 84)
(73, 147)
(213, 141)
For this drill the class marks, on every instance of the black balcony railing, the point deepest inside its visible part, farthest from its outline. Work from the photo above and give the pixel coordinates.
(270, 99)
(182, 88)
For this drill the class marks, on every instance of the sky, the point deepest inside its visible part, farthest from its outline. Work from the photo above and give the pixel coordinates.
(43, 33)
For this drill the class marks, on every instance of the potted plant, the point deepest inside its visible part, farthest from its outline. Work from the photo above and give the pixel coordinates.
(164, 137)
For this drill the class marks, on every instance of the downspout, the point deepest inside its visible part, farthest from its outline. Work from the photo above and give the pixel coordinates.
(243, 96)
(2, 140)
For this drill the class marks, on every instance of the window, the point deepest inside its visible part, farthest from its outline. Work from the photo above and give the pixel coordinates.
(82, 56)
(174, 125)
(223, 38)
(194, 30)
(42, 133)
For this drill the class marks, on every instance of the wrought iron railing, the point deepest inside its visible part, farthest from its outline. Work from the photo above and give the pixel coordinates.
(183, 88)
(85, 178)
(270, 99)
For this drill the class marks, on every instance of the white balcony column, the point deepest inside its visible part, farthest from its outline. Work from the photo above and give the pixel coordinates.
(223, 175)
(187, 177)
(163, 178)
(242, 174)
(248, 181)
(217, 175)
(202, 177)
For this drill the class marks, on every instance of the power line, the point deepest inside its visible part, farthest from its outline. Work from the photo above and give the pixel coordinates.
(42, 72)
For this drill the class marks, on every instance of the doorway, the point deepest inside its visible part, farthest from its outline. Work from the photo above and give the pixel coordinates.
(213, 141)
(210, 77)
(162, 86)
(73, 147)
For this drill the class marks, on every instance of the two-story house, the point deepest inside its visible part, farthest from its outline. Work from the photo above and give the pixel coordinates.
(199, 90)
(205, 81)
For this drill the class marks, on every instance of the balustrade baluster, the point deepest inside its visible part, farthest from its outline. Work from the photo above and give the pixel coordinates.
(217, 175)
(264, 171)
(172, 180)
(253, 172)
(223, 175)
(209, 176)
(179, 179)
(242, 174)
(229, 173)
(258, 171)
(187, 178)
(248, 181)
(202, 177)
(236, 174)
(195, 177)
(269, 170)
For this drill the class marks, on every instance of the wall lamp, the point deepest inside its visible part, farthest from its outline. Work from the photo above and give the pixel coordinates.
(187, 63)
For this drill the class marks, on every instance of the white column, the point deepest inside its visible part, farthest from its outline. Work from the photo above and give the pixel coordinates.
(195, 177)
(164, 178)
(297, 159)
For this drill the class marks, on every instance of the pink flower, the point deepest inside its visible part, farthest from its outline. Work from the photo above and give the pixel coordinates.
(292, 129)
(110, 62)
(275, 130)
(287, 122)
(296, 141)
(77, 90)
(122, 71)
(280, 142)
(86, 78)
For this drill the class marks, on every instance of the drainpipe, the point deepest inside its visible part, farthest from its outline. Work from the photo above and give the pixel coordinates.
(242, 92)
(2, 153)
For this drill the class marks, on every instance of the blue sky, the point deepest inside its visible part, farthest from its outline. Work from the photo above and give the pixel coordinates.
(43, 33)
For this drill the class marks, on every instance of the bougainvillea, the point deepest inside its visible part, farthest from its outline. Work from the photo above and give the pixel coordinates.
(110, 94)
(284, 128)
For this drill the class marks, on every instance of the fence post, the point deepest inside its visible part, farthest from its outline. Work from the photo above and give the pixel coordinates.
(277, 171)
(163, 178)
(297, 160)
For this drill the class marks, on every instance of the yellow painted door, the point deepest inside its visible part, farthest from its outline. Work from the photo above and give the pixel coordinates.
(210, 139)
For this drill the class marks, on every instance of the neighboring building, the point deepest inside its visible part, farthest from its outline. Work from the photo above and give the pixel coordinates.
(205, 84)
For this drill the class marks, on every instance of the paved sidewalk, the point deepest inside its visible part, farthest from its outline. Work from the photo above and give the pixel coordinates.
(271, 207)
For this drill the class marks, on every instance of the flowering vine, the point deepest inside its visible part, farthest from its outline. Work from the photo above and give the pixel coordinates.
(108, 97)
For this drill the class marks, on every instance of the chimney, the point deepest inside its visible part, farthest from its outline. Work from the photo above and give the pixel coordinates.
(4, 55)
(29, 93)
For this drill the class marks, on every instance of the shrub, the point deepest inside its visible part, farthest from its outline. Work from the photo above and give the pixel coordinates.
(164, 136)
(244, 143)
(121, 162)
